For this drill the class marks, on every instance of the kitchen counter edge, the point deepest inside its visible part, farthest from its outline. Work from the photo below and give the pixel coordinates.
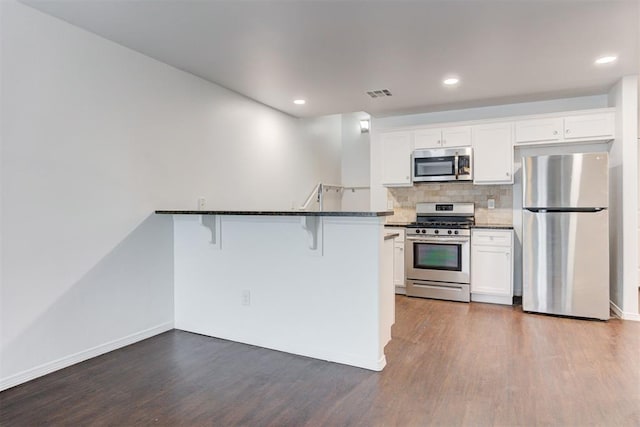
(277, 213)
(493, 226)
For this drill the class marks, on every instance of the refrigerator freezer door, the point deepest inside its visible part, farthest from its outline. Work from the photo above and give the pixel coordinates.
(566, 263)
(566, 181)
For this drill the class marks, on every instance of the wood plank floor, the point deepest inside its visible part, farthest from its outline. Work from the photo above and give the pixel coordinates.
(448, 364)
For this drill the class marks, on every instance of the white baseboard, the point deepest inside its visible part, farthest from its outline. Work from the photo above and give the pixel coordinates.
(492, 299)
(81, 356)
(622, 314)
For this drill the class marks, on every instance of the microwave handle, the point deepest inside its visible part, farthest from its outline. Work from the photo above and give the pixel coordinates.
(455, 165)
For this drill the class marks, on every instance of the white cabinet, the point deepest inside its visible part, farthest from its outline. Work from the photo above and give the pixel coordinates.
(398, 259)
(457, 136)
(493, 154)
(539, 130)
(598, 126)
(396, 150)
(427, 138)
(492, 266)
(589, 126)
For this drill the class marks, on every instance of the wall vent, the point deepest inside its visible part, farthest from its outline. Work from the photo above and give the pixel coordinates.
(381, 93)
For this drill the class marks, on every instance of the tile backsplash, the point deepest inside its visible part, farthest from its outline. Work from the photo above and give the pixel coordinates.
(405, 198)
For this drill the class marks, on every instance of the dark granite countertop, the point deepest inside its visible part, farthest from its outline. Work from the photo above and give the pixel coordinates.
(388, 236)
(396, 224)
(493, 226)
(276, 213)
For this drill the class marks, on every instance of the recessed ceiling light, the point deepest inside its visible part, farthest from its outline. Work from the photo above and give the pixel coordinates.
(451, 81)
(606, 59)
(299, 102)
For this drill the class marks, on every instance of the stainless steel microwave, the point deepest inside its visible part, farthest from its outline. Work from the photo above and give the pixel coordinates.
(442, 164)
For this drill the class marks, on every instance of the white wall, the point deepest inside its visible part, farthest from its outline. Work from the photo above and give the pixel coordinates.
(95, 137)
(624, 198)
(323, 303)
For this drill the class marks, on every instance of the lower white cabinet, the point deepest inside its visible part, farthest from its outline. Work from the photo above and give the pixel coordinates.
(492, 266)
(398, 259)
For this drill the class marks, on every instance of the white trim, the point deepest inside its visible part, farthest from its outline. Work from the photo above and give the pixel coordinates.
(325, 354)
(623, 315)
(492, 299)
(81, 356)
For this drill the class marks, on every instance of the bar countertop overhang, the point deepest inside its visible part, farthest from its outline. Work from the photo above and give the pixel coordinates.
(279, 213)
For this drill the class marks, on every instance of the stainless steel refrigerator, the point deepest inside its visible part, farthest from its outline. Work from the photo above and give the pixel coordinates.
(565, 235)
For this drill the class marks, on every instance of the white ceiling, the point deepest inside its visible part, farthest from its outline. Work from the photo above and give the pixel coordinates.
(332, 52)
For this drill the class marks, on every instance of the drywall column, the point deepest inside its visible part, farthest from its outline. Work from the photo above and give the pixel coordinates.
(624, 199)
(355, 162)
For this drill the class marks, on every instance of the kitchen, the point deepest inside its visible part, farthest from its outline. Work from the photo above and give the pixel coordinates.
(475, 169)
(99, 132)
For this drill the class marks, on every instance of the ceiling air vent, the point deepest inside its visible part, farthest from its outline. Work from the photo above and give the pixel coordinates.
(379, 93)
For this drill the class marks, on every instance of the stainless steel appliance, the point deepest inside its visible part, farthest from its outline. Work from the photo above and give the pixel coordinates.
(437, 251)
(442, 164)
(565, 235)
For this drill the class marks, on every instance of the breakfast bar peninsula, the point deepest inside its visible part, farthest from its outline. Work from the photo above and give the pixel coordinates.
(317, 284)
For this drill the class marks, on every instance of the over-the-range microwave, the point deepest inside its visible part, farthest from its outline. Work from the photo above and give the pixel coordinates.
(442, 164)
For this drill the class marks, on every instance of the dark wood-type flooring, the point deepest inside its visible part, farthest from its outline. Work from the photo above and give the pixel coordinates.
(448, 364)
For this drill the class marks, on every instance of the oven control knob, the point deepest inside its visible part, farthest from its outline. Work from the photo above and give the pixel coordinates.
(436, 231)
(424, 231)
(455, 232)
(449, 231)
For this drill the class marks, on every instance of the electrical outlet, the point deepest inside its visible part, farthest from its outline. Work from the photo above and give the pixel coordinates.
(202, 202)
(389, 204)
(246, 297)
(491, 203)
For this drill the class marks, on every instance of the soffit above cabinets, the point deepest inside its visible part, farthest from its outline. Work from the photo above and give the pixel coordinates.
(332, 53)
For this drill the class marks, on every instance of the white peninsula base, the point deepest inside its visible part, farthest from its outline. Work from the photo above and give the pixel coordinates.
(315, 286)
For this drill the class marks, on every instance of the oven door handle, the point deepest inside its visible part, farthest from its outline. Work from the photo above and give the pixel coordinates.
(438, 240)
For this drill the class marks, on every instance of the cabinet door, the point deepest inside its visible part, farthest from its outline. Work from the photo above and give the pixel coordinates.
(537, 130)
(427, 138)
(396, 158)
(589, 126)
(398, 265)
(491, 270)
(459, 136)
(493, 154)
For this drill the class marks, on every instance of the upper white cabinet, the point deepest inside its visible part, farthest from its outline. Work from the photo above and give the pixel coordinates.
(493, 154)
(457, 136)
(538, 130)
(585, 127)
(396, 148)
(589, 126)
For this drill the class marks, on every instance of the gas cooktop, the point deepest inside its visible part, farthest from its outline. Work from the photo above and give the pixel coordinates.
(467, 223)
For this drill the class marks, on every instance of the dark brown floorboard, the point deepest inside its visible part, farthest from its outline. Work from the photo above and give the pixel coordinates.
(448, 364)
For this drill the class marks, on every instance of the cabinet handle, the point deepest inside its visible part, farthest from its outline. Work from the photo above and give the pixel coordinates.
(555, 132)
(507, 173)
(567, 131)
(406, 177)
(439, 142)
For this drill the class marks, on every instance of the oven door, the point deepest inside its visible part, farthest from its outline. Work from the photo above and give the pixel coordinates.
(441, 259)
(451, 164)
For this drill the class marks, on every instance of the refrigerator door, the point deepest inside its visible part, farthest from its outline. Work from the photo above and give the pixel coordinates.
(566, 263)
(566, 181)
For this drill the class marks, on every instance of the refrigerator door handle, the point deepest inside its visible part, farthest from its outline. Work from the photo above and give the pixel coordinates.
(561, 210)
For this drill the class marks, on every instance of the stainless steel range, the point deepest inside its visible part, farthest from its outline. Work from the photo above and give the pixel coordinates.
(438, 248)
